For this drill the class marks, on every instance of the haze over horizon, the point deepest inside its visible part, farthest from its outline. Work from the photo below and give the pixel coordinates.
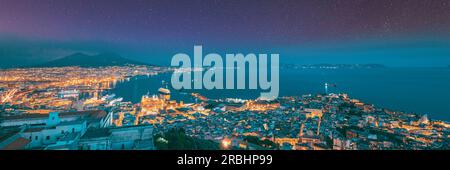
(393, 33)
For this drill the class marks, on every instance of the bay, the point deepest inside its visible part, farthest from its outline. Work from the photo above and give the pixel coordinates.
(419, 90)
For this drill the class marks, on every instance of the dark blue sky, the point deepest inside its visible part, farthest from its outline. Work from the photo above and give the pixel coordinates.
(398, 33)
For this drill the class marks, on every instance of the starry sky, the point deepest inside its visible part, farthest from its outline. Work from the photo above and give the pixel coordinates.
(391, 32)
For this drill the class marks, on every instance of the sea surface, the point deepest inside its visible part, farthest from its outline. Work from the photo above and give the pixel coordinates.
(419, 90)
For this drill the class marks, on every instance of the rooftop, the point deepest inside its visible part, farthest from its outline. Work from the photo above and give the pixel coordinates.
(19, 143)
(6, 133)
(34, 129)
(96, 114)
(96, 133)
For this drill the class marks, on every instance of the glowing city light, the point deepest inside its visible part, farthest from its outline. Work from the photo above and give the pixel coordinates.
(226, 143)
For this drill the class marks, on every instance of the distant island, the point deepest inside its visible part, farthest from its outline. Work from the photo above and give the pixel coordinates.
(332, 66)
(85, 60)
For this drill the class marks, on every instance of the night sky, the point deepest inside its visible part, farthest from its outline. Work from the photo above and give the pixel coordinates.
(391, 32)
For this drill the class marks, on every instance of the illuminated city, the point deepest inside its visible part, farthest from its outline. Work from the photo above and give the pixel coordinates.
(143, 84)
(72, 108)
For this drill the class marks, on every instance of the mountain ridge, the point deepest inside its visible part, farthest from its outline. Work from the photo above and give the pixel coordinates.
(85, 60)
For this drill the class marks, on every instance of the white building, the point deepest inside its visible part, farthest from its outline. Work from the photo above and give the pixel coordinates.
(118, 138)
(52, 131)
(96, 118)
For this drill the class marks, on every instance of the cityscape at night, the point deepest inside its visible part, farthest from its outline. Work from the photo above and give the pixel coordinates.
(71, 108)
(248, 80)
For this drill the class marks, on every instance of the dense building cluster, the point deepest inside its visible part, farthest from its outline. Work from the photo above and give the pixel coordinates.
(70, 108)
